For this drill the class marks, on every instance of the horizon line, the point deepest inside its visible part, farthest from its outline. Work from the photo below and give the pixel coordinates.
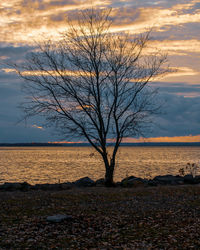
(128, 140)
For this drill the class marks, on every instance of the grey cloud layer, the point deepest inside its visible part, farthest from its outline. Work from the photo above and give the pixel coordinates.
(180, 118)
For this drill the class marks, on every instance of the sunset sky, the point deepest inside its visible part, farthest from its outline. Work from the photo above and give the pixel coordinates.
(176, 31)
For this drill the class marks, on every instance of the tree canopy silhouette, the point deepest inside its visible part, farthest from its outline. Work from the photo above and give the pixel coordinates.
(93, 84)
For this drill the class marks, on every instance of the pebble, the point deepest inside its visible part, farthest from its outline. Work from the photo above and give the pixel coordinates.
(58, 218)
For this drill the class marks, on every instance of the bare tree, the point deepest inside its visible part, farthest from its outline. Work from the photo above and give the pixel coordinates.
(93, 84)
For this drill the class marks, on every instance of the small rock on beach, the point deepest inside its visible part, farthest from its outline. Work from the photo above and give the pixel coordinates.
(58, 218)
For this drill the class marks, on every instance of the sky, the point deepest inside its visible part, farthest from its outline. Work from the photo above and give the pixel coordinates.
(176, 31)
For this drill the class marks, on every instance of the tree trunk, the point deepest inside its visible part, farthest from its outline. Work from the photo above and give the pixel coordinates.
(109, 176)
(109, 167)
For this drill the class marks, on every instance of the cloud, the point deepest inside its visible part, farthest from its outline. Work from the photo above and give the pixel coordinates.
(189, 94)
(165, 3)
(24, 21)
(178, 47)
(11, 129)
(179, 116)
(181, 71)
(36, 126)
(11, 133)
(156, 17)
(179, 88)
(187, 138)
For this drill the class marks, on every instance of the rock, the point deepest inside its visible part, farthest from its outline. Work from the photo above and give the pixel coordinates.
(118, 184)
(84, 182)
(152, 183)
(100, 182)
(58, 218)
(7, 186)
(54, 187)
(10, 186)
(128, 178)
(197, 179)
(66, 186)
(30, 240)
(168, 180)
(189, 179)
(51, 187)
(133, 181)
(37, 186)
(25, 186)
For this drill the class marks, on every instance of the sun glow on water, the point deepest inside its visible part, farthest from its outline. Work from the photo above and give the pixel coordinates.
(51, 164)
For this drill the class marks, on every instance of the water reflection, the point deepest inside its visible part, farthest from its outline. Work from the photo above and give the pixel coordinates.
(44, 164)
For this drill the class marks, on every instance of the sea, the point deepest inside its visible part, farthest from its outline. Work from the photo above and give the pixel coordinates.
(62, 164)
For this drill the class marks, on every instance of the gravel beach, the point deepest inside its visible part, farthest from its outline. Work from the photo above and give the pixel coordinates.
(163, 217)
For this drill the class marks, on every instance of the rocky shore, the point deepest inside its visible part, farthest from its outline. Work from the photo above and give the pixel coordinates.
(163, 217)
(128, 182)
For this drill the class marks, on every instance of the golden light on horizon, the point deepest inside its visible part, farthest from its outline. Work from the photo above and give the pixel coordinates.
(164, 139)
(187, 138)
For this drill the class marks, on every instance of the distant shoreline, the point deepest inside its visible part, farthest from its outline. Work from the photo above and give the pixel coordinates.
(141, 144)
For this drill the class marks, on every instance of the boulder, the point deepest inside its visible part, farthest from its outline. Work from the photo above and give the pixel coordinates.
(25, 186)
(100, 182)
(8, 186)
(118, 184)
(128, 178)
(189, 179)
(84, 182)
(51, 187)
(58, 218)
(152, 183)
(197, 179)
(168, 180)
(55, 187)
(179, 179)
(133, 181)
(66, 185)
(14, 186)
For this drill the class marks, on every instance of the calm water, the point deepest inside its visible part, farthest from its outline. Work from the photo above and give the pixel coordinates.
(44, 164)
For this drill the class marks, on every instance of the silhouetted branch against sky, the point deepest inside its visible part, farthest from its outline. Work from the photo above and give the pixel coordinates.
(93, 84)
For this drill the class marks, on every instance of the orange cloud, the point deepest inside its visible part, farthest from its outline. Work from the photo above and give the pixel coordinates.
(25, 21)
(189, 138)
(183, 74)
(177, 47)
(189, 95)
(50, 72)
(4, 57)
(181, 71)
(175, 72)
(38, 127)
(157, 18)
(185, 6)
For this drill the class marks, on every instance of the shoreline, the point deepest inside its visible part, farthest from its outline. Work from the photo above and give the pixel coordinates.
(135, 144)
(128, 182)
